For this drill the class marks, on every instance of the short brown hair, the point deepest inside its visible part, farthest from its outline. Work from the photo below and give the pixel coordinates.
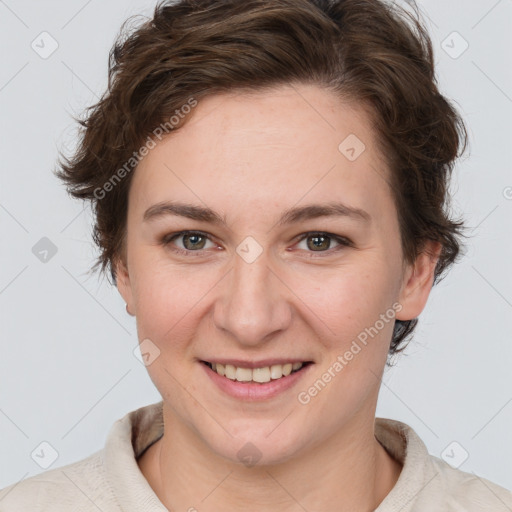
(367, 51)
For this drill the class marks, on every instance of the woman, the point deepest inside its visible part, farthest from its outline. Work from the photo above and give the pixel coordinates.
(237, 140)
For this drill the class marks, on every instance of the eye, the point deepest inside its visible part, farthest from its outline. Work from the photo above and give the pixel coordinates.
(195, 242)
(192, 241)
(321, 242)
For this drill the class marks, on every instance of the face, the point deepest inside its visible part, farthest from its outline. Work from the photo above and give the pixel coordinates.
(263, 277)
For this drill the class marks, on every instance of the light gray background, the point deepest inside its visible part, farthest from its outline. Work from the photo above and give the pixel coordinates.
(67, 368)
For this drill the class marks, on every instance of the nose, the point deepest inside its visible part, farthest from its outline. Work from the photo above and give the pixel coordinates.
(253, 304)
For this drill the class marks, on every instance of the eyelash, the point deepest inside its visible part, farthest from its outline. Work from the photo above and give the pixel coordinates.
(343, 242)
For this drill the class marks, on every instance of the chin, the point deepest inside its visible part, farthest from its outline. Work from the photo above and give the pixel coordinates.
(250, 446)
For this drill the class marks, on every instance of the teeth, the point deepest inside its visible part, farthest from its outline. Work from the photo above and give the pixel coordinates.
(230, 372)
(276, 371)
(243, 374)
(287, 369)
(261, 375)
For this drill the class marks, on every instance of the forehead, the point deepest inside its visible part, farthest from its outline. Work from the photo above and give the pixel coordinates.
(275, 145)
(282, 117)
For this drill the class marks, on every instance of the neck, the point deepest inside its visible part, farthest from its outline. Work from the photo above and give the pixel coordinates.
(349, 471)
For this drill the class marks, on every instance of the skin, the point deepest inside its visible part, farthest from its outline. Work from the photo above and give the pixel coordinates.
(249, 158)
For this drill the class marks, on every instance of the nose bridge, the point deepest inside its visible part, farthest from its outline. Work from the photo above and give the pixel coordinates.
(252, 305)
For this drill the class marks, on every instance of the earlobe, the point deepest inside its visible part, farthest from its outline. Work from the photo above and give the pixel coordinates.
(418, 281)
(123, 283)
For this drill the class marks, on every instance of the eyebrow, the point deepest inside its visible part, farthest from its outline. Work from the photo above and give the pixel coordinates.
(290, 216)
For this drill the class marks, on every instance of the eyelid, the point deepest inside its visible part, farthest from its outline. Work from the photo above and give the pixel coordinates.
(338, 238)
(343, 242)
(167, 240)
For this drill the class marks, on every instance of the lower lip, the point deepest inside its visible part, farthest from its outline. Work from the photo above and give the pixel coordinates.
(253, 391)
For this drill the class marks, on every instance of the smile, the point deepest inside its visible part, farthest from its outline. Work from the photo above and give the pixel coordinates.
(259, 375)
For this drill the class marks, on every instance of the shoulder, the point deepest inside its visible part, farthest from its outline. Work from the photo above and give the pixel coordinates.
(107, 480)
(429, 483)
(76, 487)
(464, 491)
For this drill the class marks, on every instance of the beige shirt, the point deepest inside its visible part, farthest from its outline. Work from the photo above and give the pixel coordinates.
(111, 481)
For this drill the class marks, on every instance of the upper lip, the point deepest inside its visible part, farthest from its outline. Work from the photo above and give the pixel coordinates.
(256, 364)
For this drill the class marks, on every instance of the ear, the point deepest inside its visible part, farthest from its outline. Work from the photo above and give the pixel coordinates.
(418, 281)
(123, 282)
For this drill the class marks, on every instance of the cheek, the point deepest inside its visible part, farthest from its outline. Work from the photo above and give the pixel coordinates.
(165, 316)
(347, 300)
(173, 304)
(158, 292)
(164, 301)
(354, 323)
